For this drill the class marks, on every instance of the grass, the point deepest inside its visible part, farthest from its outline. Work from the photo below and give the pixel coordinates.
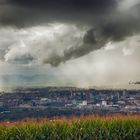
(83, 128)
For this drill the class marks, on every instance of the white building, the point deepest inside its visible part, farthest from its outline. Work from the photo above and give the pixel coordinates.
(104, 103)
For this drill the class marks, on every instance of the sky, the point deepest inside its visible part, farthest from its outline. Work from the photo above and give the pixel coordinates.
(82, 43)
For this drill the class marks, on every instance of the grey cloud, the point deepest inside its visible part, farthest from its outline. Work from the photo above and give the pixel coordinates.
(106, 20)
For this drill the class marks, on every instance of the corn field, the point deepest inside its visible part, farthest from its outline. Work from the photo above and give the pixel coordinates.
(84, 128)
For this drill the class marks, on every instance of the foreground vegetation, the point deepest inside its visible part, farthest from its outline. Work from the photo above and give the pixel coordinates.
(85, 128)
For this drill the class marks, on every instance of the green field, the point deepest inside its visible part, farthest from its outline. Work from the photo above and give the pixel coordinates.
(84, 128)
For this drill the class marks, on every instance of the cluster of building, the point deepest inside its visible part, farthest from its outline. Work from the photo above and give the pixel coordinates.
(114, 101)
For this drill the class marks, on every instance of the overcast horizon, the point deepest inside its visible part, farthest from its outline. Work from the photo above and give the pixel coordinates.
(81, 43)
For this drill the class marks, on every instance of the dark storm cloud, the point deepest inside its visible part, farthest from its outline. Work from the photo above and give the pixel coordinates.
(106, 20)
(65, 3)
(92, 40)
(97, 37)
(33, 12)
